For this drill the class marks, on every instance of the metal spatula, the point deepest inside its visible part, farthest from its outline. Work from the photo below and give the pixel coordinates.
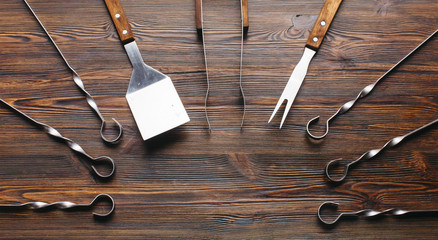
(151, 95)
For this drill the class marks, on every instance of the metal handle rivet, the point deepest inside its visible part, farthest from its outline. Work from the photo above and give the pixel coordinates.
(117, 15)
(323, 23)
(315, 39)
(124, 32)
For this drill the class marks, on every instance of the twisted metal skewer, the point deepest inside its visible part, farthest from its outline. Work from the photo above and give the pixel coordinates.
(372, 153)
(367, 90)
(66, 205)
(367, 213)
(72, 145)
(90, 100)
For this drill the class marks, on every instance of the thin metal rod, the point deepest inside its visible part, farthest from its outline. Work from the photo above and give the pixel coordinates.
(367, 213)
(365, 92)
(372, 153)
(70, 143)
(90, 100)
(66, 205)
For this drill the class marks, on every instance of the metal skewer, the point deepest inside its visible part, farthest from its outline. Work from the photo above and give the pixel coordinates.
(66, 205)
(90, 100)
(72, 145)
(365, 92)
(369, 213)
(372, 153)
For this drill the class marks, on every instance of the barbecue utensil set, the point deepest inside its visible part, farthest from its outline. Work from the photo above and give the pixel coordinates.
(157, 108)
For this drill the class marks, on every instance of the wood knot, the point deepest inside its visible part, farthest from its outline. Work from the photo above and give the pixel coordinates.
(384, 6)
(370, 204)
(301, 25)
(303, 21)
(242, 164)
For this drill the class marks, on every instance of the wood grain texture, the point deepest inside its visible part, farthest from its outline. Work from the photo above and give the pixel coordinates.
(322, 24)
(258, 183)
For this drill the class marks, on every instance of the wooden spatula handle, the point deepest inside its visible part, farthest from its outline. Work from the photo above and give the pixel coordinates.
(120, 21)
(322, 24)
(245, 14)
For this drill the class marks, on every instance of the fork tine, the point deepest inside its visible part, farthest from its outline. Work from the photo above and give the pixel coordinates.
(280, 101)
(286, 111)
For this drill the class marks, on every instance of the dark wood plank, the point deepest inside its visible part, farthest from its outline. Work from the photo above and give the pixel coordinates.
(258, 183)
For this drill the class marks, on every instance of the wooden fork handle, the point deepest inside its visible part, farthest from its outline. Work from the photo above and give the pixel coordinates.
(198, 10)
(323, 23)
(120, 21)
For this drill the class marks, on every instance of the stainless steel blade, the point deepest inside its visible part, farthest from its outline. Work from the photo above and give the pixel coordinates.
(142, 74)
(313, 43)
(294, 84)
(152, 98)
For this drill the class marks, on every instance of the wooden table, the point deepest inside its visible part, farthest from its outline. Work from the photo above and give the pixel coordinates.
(190, 183)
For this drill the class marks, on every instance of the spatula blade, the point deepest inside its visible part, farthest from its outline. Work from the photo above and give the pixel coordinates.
(157, 108)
